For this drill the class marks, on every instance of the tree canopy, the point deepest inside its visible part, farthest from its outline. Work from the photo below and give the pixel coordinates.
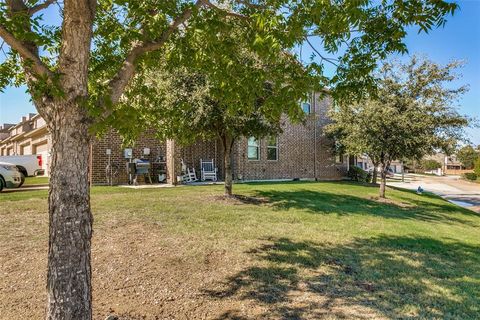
(467, 156)
(239, 93)
(412, 114)
(78, 72)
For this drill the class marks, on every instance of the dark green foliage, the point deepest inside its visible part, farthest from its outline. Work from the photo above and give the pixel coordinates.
(476, 168)
(358, 174)
(430, 164)
(354, 34)
(470, 176)
(467, 156)
(411, 115)
(233, 93)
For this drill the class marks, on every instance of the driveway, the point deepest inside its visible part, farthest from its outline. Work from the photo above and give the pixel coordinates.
(452, 188)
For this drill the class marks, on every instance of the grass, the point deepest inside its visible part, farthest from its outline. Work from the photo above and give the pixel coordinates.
(299, 251)
(36, 180)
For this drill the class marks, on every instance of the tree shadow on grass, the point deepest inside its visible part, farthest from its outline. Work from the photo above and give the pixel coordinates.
(387, 277)
(425, 208)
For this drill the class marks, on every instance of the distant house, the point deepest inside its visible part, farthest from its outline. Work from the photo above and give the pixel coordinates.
(29, 136)
(302, 151)
(450, 164)
(364, 162)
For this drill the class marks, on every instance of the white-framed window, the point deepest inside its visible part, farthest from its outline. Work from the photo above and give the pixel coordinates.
(272, 148)
(253, 149)
(306, 107)
(338, 158)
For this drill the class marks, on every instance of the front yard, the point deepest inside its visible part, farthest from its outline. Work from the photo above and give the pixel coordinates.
(295, 251)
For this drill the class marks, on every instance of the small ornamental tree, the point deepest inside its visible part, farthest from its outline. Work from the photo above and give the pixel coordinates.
(467, 156)
(236, 94)
(430, 164)
(410, 116)
(77, 73)
(476, 167)
(188, 110)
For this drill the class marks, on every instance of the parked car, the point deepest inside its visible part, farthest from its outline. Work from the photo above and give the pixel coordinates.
(28, 165)
(10, 177)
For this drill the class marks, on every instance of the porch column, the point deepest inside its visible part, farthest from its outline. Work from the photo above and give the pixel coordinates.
(174, 166)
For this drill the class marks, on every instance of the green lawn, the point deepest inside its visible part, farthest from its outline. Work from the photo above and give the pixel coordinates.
(35, 180)
(297, 251)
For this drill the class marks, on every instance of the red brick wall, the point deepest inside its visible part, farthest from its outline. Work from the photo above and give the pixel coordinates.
(113, 141)
(203, 150)
(296, 152)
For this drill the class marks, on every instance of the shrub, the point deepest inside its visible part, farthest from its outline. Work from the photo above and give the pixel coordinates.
(357, 174)
(477, 167)
(431, 164)
(470, 176)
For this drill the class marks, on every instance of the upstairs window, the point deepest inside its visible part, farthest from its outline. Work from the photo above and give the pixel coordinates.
(272, 148)
(339, 158)
(306, 107)
(253, 149)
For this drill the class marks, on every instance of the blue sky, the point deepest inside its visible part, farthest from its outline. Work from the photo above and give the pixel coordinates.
(460, 39)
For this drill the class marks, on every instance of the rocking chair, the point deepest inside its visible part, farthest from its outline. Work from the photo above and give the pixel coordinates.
(208, 170)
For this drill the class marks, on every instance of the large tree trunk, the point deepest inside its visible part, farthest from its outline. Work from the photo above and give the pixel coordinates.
(227, 143)
(69, 271)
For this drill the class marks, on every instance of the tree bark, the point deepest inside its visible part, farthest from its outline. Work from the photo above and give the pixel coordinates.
(383, 181)
(375, 173)
(383, 177)
(227, 143)
(69, 270)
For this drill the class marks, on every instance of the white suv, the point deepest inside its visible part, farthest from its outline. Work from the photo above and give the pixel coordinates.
(10, 177)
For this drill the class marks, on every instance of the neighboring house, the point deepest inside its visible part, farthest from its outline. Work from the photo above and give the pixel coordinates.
(302, 151)
(364, 162)
(450, 164)
(29, 136)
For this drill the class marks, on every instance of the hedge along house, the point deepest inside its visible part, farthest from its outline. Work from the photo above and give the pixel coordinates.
(301, 151)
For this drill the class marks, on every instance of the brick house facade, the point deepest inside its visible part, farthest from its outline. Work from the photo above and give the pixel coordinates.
(301, 152)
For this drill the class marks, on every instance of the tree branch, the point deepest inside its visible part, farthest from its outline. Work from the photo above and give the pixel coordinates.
(330, 60)
(224, 11)
(37, 66)
(41, 6)
(251, 5)
(120, 81)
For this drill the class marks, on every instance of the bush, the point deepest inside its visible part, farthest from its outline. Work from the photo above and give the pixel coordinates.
(477, 167)
(431, 164)
(357, 174)
(470, 176)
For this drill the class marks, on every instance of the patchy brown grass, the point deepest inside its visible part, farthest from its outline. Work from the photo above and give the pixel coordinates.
(278, 251)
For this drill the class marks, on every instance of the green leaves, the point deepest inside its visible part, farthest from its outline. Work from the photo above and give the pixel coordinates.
(219, 79)
(218, 37)
(411, 115)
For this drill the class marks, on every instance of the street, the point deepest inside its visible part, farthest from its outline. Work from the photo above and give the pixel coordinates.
(452, 188)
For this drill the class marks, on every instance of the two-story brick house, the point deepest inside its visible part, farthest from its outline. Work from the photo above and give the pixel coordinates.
(302, 151)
